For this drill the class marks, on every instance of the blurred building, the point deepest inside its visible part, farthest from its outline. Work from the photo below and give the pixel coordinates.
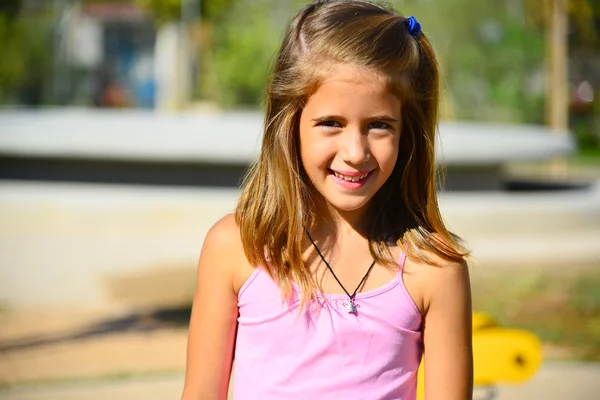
(114, 42)
(106, 54)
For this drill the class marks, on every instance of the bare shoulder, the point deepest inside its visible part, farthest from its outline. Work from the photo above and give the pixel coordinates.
(435, 280)
(224, 232)
(223, 245)
(438, 268)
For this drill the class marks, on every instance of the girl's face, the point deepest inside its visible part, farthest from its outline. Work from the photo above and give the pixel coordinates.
(349, 137)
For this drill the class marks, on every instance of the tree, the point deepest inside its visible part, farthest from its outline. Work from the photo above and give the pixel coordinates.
(25, 59)
(554, 15)
(491, 59)
(171, 10)
(10, 8)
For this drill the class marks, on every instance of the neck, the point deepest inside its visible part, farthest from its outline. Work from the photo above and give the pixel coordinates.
(338, 223)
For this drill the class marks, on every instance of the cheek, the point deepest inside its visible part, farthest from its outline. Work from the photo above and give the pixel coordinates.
(387, 155)
(315, 151)
(307, 150)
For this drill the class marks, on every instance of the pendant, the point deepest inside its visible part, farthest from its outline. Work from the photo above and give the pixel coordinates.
(350, 307)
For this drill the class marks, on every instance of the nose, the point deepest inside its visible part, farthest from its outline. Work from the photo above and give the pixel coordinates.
(354, 148)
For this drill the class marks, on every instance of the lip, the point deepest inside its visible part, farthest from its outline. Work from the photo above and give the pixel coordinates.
(348, 184)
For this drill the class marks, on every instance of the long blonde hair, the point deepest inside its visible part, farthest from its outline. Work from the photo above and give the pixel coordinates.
(277, 198)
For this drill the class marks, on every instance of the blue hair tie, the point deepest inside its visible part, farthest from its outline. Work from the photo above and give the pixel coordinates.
(413, 26)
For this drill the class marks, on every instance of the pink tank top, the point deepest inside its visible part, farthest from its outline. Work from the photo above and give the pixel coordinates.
(281, 354)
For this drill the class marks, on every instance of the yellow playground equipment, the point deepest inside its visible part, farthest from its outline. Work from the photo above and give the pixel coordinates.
(500, 355)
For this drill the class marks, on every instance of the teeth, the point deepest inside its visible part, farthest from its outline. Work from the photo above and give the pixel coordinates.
(350, 178)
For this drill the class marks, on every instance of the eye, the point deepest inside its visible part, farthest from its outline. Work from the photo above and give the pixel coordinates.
(330, 124)
(380, 125)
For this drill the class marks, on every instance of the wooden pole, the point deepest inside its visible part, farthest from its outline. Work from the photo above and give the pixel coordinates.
(558, 79)
(558, 86)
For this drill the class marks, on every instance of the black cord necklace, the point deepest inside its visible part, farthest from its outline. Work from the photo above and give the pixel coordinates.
(351, 307)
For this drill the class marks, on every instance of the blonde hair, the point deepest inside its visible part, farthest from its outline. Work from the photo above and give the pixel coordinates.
(277, 197)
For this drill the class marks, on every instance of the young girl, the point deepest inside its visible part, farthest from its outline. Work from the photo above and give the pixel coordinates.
(336, 273)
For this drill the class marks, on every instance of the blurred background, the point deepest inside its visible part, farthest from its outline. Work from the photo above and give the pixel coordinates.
(126, 126)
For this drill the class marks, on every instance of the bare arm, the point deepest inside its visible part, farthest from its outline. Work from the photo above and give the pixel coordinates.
(447, 334)
(214, 313)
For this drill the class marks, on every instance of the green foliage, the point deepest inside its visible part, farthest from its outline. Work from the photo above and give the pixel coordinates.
(163, 10)
(26, 58)
(244, 47)
(12, 62)
(216, 9)
(241, 54)
(10, 8)
(510, 68)
(170, 10)
(586, 127)
(492, 61)
(583, 15)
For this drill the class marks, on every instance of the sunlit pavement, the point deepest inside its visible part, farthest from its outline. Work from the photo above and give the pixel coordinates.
(555, 381)
(558, 381)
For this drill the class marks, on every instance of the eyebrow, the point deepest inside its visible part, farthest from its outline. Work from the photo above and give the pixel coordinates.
(383, 118)
(327, 118)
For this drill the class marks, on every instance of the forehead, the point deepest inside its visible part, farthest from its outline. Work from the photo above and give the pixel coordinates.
(349, 88)
(340, 72)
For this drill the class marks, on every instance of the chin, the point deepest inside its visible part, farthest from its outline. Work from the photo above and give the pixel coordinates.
(348, 206)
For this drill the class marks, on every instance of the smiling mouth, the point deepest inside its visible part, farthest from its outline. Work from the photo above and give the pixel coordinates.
(347, 178)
